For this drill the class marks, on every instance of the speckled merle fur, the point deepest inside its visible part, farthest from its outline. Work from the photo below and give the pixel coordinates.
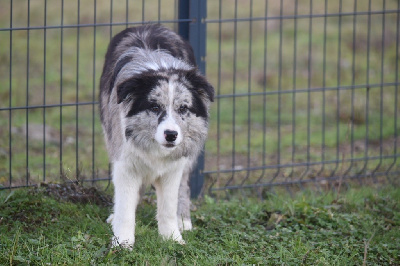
(150, 88)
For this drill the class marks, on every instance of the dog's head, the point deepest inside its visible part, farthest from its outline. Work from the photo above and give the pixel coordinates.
(164, 102)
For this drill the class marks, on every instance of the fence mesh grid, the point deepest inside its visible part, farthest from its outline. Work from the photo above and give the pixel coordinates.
(306, 91)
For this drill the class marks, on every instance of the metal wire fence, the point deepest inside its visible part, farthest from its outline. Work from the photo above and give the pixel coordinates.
(51, 59)
(306, 91)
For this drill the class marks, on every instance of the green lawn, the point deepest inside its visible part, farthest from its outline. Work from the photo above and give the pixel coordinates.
(311, 228)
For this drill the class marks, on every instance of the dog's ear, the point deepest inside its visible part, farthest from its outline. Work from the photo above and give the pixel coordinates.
(117, 68)
(126, 88)
(137, 85)
(200, 84)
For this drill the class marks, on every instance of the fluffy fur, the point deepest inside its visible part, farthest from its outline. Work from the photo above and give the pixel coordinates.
(154, 107)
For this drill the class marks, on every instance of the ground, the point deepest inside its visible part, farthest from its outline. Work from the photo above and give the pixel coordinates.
(361, 225)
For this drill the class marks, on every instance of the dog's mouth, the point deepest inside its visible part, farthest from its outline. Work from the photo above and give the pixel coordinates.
(169, 145)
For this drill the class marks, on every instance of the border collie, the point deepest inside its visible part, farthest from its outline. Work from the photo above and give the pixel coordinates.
(154, 107)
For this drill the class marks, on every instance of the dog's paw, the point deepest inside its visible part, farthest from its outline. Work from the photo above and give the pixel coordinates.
(173, 235)
(182, 242)
(177, 238)
(127, 243)
(185, 225)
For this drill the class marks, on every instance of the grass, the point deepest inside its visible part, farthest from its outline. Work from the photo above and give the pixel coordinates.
(360, 225)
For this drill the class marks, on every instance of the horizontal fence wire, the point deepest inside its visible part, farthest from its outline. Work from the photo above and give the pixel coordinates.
(91, 25)
(306, 91)
(309, 16)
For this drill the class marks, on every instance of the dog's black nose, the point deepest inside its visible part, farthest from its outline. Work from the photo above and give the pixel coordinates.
(170, 135)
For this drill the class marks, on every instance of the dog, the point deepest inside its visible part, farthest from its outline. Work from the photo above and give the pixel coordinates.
(154, 109)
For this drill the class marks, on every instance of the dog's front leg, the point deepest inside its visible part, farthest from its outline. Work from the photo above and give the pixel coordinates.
(184, 220)
(125, 202)
(167, 188)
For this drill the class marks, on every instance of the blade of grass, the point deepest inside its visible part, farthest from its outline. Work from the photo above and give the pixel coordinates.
(14, 249)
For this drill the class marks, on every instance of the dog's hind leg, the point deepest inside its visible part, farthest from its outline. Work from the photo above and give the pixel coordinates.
(167, 188)
(125, 202)
(184, 221)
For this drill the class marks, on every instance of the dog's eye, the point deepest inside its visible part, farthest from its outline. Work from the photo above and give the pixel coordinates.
(182, 109)
(155, 108)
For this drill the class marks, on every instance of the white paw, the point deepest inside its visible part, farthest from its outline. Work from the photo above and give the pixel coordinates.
(173, 235)
(124, 243)
(177, 238)
(185, 225)
(182, 242)
(124, 233)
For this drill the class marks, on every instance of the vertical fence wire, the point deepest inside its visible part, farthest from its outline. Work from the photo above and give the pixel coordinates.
(10, 152)
(364, 169)
(249, 84)
(218, 93)
(27, 93)
(338, 84)
(294, 87)
(381, 89)
(77, 167)
(309, 69)
(127, 13)
(323, 114)
(264, 105)
(111, 17)
(44, 89)
(234, 68)
(396, 98)
(143, 9)
(61, 88)
(353, 71)
(94, 175)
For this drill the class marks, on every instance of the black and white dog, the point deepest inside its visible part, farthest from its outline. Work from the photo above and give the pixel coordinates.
(154, 106)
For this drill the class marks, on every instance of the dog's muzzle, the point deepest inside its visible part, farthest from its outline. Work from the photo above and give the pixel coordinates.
(168, 133)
